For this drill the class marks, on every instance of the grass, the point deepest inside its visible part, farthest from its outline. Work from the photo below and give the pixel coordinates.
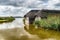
(48, 28)
(49, 23)
(6, 19)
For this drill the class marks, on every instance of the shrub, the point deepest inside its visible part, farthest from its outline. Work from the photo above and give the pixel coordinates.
(37, 23)
(58, 28)
(6, 19)
(52, 23)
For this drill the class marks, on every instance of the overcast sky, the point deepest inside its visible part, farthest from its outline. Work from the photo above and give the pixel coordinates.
(21, 7)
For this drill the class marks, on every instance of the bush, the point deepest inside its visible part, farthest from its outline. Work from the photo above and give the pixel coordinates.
(58, 28)
(52, 23)
(37, 23)
(6, 19)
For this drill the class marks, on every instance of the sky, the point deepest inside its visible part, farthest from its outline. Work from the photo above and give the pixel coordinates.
(21, 7)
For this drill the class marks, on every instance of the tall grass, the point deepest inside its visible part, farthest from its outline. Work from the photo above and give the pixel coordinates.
(49, 23)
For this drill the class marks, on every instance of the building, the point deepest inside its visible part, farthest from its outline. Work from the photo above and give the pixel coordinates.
(32, 14)
(41, 14)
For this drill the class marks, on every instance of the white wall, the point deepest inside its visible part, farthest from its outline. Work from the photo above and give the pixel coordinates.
(38, 18)
(27, 22)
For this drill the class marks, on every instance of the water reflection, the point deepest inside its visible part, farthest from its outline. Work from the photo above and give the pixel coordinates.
(18, 23)
(15, 31)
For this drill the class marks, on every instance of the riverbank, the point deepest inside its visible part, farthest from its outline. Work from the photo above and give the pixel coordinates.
(6, 19)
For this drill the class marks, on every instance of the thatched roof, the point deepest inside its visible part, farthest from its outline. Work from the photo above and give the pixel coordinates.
(33, 13)
(51, 11)
(41, 13)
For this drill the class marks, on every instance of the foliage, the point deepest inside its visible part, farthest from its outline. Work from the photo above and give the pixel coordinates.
(50, 23)
(6, 19)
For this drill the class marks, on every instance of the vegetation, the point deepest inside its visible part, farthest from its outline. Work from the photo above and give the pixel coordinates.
(6, 19)
(52, 23)
(47, 28)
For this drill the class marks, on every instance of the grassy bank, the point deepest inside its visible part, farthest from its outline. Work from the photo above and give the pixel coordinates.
(6, 19)
(47, 28)
(52, 23)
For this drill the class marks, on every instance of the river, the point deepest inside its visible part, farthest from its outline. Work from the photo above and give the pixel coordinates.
(15, 31)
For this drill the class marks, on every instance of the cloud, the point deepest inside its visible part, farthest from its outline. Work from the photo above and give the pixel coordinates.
(13, 11)
(51, 4)
(31, 3)
(21, 7)
(23, 3)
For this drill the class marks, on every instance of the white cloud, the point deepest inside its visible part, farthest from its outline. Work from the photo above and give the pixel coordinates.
(31, 3)
(20, 7)
(51, 4)
(12, 11)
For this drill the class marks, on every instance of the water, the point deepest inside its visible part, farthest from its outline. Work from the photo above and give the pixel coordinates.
(15, 31)
(17, 23)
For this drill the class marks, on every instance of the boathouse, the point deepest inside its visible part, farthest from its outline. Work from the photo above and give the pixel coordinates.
(41, 14)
